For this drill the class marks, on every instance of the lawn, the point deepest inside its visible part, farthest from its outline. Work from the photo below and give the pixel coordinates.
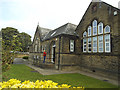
(22, 72)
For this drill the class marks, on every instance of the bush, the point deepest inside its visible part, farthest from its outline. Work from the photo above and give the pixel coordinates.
(25, 57)
(14, 83)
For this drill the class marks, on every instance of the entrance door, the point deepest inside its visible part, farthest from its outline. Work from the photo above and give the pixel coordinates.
(53, 55)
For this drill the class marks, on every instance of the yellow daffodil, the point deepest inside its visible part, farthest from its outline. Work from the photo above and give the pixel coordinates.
(14, 83)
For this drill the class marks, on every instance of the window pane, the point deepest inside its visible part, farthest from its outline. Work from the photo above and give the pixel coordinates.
(84, 45)
(107, 29)
(94, 27)
(94, 44)
(89, 44)
(85, 34)
(72, 45)
(89, 31)
(107, 43)
(100, 43)
(100, 28)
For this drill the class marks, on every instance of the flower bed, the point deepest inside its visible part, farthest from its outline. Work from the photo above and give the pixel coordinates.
(14, 83)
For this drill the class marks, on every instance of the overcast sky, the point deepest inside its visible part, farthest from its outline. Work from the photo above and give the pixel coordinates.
(24, 15)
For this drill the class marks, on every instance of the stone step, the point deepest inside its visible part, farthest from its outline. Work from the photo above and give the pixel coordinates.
(47, 65)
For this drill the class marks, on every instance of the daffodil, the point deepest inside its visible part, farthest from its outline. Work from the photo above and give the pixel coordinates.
(14, 83)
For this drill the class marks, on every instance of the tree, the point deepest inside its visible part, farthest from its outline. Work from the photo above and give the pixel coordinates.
(25, 40)
(12, 40)
(7, 36)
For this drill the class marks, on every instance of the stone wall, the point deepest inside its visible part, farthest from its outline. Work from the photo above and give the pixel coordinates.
(100, 63)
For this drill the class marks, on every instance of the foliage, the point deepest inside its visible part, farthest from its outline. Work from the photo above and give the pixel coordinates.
(22, 72)
(25, 57)
(14, 83)
(17, 41)
(25, 41)
(12, 41)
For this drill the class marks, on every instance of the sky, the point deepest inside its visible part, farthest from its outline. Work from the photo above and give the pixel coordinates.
(25, 15)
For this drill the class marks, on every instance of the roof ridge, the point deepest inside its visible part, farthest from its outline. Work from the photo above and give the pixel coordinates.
(111, 5)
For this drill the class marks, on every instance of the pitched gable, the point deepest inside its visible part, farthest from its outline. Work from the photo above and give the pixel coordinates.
(100, 11)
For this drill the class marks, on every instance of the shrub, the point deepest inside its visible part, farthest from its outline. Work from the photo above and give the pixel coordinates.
(25, 57)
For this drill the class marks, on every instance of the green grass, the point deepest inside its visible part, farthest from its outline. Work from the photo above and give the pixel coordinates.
(22, 72)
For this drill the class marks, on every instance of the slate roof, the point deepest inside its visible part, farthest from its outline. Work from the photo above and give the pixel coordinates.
(43, 31)
(67, 29)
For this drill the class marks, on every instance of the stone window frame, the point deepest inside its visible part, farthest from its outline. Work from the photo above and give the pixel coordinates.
(104, 33)
(72, 45)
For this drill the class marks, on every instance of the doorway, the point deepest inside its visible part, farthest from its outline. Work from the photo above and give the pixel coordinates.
(53, 53)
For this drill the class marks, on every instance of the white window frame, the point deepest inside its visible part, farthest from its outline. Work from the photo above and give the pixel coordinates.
(105, 29)
(100, 25)
(100, 43)
(89, 43)
(94, 27)
(107, 42)
(71, 45)
(85, 34)
(89, 31)
(84, 45)
(94, 48)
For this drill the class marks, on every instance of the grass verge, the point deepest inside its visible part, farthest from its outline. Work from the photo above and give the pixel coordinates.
(22, 72)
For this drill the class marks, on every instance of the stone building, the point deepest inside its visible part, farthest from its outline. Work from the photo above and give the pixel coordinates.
(93, 45)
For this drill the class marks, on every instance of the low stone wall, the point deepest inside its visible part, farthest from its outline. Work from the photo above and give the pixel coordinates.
(106, 65)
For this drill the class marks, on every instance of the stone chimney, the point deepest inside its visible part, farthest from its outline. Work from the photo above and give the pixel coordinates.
(96, 0)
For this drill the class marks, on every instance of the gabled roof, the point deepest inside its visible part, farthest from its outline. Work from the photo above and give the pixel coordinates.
(42, 31)
(102, 2)
(67, 29)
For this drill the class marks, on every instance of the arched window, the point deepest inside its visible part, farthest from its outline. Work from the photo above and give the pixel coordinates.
(107, 29)
(85, 34)
(93, 42)
(100, 28)
(89, 31)
(95, 27)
